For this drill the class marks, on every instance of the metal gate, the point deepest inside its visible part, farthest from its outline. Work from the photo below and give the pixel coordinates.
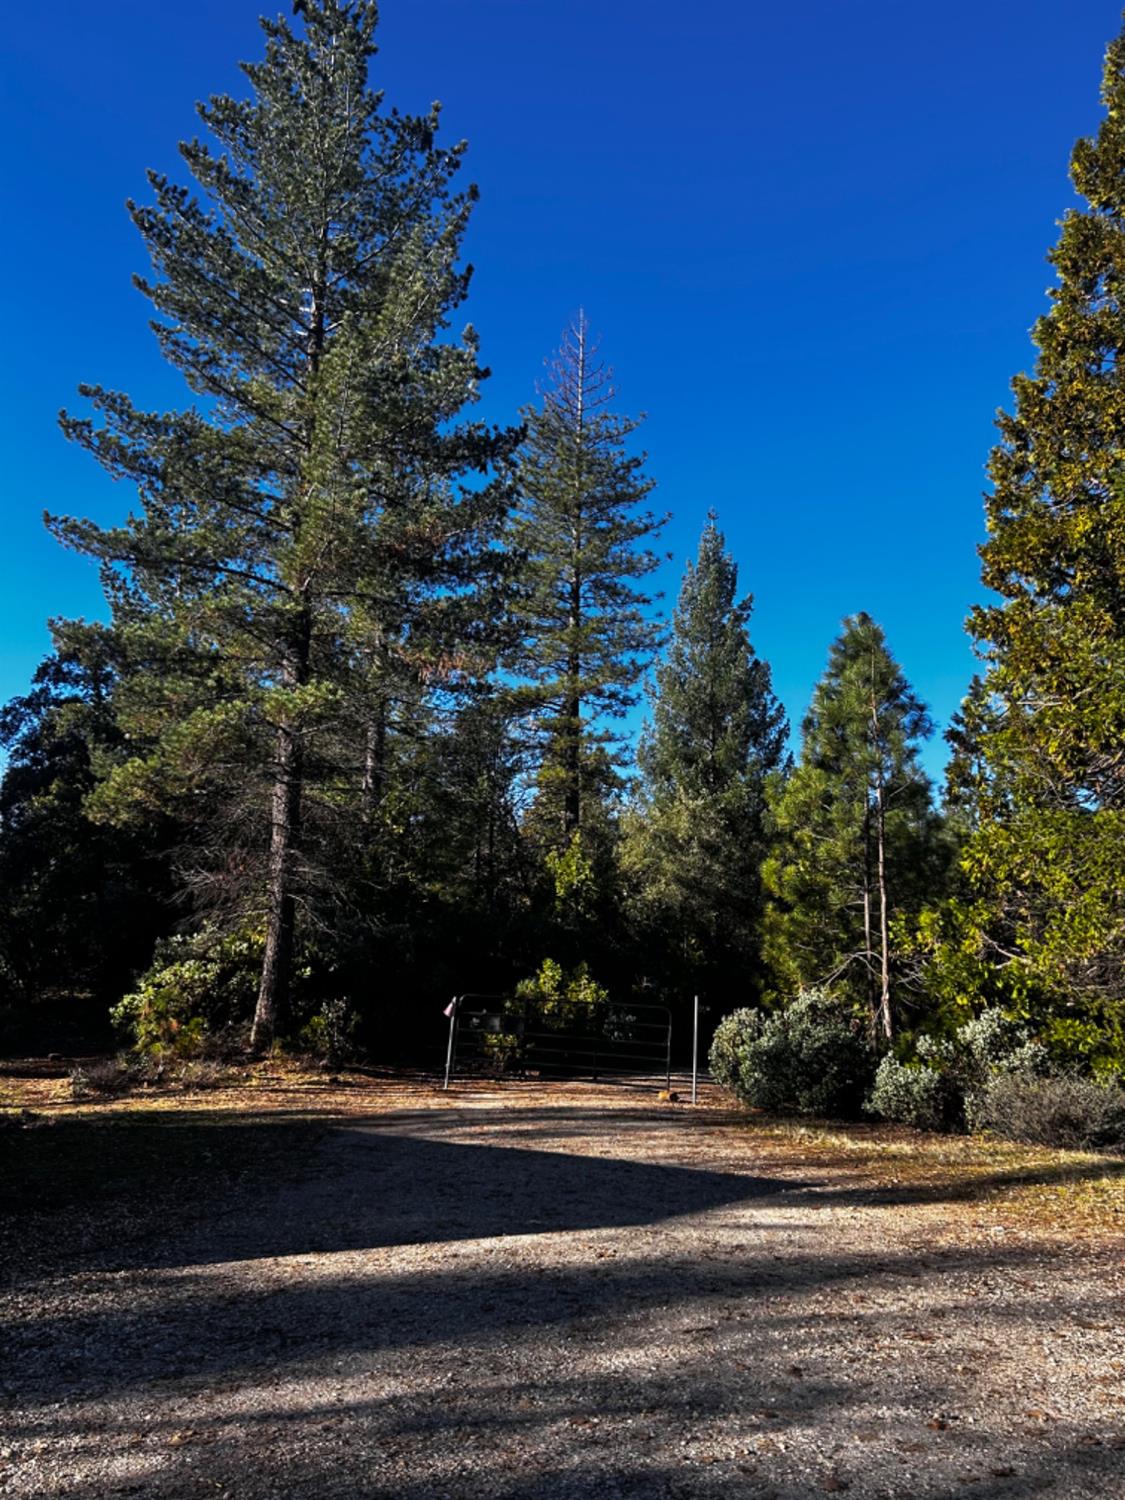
(492, 1035)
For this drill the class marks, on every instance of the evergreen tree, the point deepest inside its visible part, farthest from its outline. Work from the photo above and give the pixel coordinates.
(83, 904)
(305, 541)
(1044, 911)
(858, 841)
(586, 637)
(695, 837)
(966, 763)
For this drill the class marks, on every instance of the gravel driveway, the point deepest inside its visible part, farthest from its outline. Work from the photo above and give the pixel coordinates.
(509, 1295)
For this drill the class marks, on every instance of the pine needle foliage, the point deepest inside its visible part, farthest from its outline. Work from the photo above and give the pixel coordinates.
(695, 837)
(585, 624)
(1040, 757)
(316, 529)
(858, 844)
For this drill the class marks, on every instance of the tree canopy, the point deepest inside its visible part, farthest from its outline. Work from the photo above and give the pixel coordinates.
(857, 838)
(1040, 751)
(307, 541)
(362, 724)
(586, 636)
(696, 838)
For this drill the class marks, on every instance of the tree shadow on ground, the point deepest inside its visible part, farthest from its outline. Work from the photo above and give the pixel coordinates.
(359, 1371)
(348, 1275)
(370, 1191)
(258, 1190)
(144, 1187)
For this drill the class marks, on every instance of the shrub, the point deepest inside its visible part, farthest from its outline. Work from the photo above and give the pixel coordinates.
(503, 1050)
(205, 1073)
(939, 1090)
(330, 1034)
(914, 1095)
(992, 1075)
(732, 1034)
(1064, 1110)
(118, 1075)
(562, 997)
(105, 1076)
(811, 1057)
(196, 998)
(988, 1044)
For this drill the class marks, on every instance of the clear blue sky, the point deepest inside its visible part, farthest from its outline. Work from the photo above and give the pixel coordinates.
(812, 236)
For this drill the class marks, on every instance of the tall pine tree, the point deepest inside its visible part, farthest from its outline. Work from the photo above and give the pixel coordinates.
(587, 638)
(695, 835)
(1043, 915)
(304, 538)
(858, 842)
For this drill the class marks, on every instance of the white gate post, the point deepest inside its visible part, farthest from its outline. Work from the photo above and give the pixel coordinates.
(695, 1051)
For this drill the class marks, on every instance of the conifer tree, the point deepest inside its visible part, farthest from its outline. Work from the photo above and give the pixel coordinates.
(695, 837)
(858, 841)
(304, 539)
(83, 903)
(1044, 910)
(586, 636)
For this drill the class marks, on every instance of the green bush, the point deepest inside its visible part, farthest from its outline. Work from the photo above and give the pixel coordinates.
(811, 1058)
(731, 1035)
(1064, 1110)
(197, 997)
(329, 1035)
(972, 1079)
(913, 1094)
(561, 997)
(988, 1044)
(503, 1050)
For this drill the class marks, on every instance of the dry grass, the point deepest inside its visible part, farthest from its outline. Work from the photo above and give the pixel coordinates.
(1069, 1193)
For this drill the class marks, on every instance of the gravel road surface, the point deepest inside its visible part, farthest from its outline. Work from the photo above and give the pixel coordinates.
(501, 1294)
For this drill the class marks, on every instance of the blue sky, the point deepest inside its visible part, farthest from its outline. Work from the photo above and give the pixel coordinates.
(813, 238)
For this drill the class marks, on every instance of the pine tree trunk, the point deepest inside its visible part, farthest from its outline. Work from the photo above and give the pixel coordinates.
(572, 800)
(884, 915)
(491, 785)
(869, 946)
(285, 830)
(572, 764)
(285, 811)
(572, 718)
(886, 1025)
(285, 801)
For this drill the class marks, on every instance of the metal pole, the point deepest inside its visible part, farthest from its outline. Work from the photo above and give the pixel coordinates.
(695, 1052)
(453, 1007)
(668, 1057)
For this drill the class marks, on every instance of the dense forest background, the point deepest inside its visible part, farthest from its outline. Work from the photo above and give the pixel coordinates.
(354, 737)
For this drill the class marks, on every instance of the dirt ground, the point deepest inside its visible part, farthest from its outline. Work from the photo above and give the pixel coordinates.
(539, 1293)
